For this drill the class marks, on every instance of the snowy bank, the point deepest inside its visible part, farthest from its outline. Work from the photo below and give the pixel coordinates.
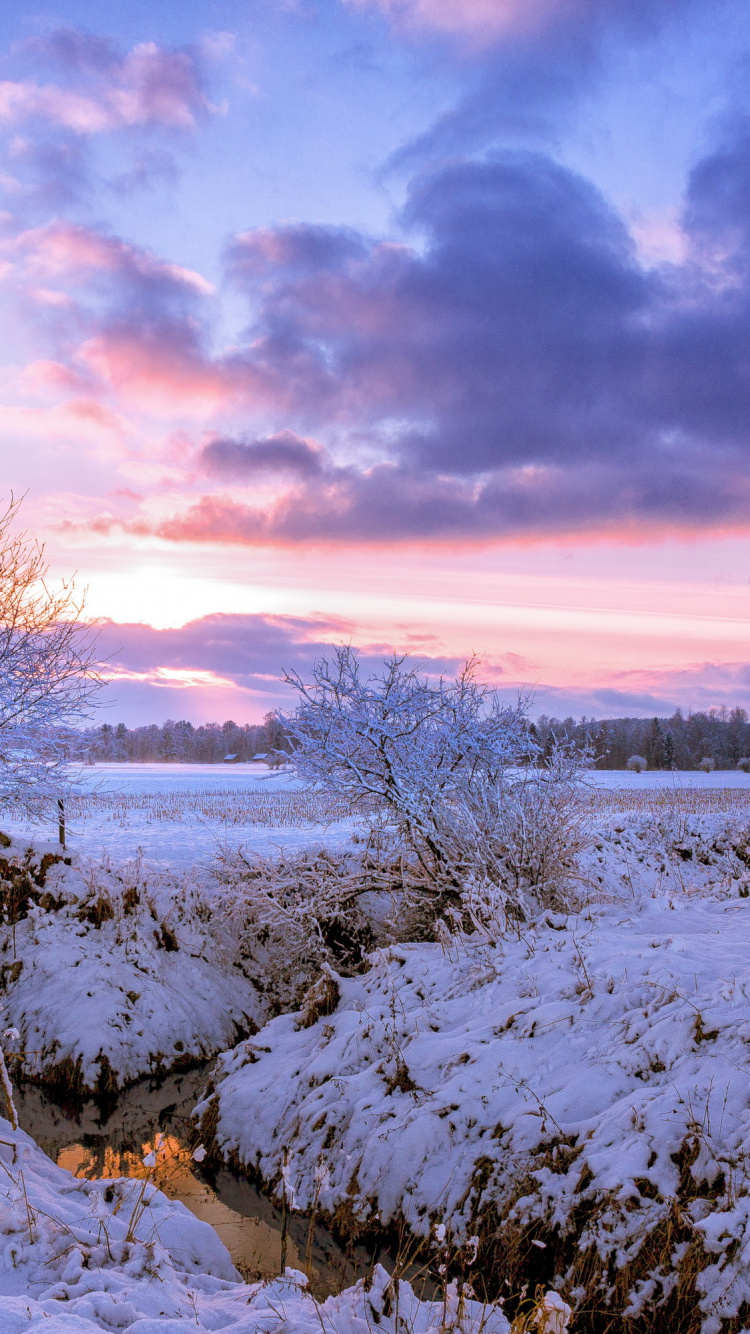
(78, 1257)
(584, 1086)
(109, 975)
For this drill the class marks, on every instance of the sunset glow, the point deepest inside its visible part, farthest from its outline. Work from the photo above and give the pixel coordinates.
(385, 322)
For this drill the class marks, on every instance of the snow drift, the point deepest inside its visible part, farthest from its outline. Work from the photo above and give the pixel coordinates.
(583, 1086)
(109, 974)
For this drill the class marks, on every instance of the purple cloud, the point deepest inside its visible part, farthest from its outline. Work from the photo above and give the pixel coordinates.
(521, 373)
(147, 87)
(532, 63)
(282, 453)
(160, 673)
(518, 371)
(246, 648)
(82, 88)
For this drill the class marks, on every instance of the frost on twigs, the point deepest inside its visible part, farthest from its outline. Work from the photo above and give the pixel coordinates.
(296, 912)
(48, 674)
(453, 776)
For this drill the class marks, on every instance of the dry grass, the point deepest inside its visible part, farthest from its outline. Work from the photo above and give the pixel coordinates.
(213, 806)
(228, 806)
(672, 801)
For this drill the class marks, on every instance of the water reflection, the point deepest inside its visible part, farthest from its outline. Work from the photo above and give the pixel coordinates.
(155, 1119)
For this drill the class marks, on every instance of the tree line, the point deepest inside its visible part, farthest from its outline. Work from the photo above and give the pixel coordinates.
(679, 742)
(682, 741)
(179, 742)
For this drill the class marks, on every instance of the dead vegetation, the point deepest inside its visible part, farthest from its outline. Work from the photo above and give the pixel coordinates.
(229, 807)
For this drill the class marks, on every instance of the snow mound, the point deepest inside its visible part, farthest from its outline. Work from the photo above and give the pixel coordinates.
(78, 1257)
(584, 1085)
(109, 975)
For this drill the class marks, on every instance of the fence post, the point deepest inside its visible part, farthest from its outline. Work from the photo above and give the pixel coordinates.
(61, 821)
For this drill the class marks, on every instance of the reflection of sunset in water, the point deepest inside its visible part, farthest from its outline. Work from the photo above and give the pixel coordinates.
(254, 1245)
(94, 1143)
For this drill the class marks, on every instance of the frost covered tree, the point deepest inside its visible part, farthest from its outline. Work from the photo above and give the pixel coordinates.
(637, 764)
(48, 673)
(449, 765)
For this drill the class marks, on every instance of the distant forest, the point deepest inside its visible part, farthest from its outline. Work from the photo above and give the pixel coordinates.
(679, 742)
(182, 743)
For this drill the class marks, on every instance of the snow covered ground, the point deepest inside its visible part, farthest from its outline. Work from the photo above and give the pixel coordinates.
(582, 1087)
(187, 777)
(111, 974)
(622, 780)
(79, 1257)
(181, 815)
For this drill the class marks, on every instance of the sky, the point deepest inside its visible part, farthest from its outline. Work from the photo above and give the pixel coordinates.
(418, 324)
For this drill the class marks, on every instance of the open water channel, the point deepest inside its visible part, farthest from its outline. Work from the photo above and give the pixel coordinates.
(95, 1144)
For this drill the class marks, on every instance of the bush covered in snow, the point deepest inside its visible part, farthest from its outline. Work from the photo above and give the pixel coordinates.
(637, 764)
(295, 912)
(448, 770)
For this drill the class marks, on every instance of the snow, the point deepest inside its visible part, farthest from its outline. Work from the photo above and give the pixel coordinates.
(196, 820)
(584, 1083)
(78, 1257)
(114, 974)
(186, 777)
(622, 780)
(599, 1059)
(181, 815)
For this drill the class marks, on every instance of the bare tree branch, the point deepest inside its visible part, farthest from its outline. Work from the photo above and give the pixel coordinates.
(48, 672)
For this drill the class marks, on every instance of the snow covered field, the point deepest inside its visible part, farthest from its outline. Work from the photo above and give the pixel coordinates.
(570, 1103)
(581, 1088)
(622, 780)
(181, 815)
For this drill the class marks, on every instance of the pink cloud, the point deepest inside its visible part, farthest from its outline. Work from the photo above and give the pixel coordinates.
(82, 420)
(149, 87)
(479, 20)
(23, 99)
(60, 249)
(159, 374)
(42, 376)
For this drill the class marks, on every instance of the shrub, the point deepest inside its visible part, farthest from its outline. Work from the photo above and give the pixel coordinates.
(518, 842)
(449, 770)
(636, 764)
(290, 915)
(707, 764)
